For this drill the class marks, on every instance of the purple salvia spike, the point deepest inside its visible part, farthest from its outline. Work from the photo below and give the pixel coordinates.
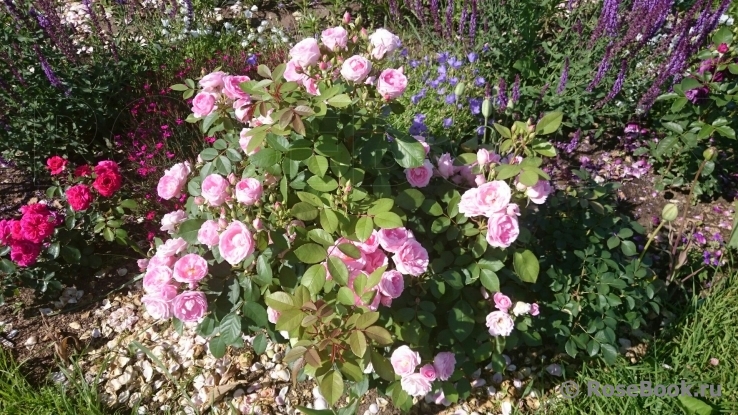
(450, 19)
(473, 22)
(419, 10)
(516, 89)
(618, 85)
(462, 19)
(601, 70)
(564, 76)
(53, 79)
(502, 95)
(435, 16)
(394, 10)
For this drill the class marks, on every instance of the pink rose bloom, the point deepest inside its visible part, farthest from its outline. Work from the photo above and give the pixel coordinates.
(157, 307)
(353, 264)
(539, 193)
(190, 269)
(142, 263)
(24, 253)
(272, 315)
(79, 197)
(416, 384)
(166, 261)
(371, 244)
(422, 141)
(444, 363)
(171, 220)
(56, 165)
(334, 38)
(534, 309)
(215, 189)
(502, 302)
(156, 277)
(480, 179)
(212, 82)
(244, 142)
(513, 210)
(500, 323)
(170, 186)
(493, 197)
(244, 111)
(411, 259)
(208, 233)
(263, 119)
(374, 260)
(306, 52)
(356, 68)
(232, 87)
(203, 104)
(236, 243)
(391, 84)
(190, 306)
(404, 361)
(248, 191)
(391, 240)
(392, 284)
(385, 301)
(446, 166)
(383, 41)
(483, 157)
(311, 86)
(420, 176)
(258, 224)
(502, 230)
(429, 372)
(293, 72)
(171, 247)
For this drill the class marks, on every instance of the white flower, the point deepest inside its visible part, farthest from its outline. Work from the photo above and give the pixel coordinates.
(521, 308)
(165, 22)
(506, 408)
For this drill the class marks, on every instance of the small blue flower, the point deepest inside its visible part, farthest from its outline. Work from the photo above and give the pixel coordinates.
(417, 128)
(442, 57)
(434, 83)
(442, 70)
(450, 98)
(480, 130)
(414, 64)
(441, 77)
(457, 64)
(453, 81)
(475, 105)
(419, 118)
(252, 59)
(472, 57)
(403, 52)
(448, 122)
(441, 91)
(479, 81)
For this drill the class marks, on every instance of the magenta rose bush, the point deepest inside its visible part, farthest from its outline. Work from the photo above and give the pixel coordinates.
(376, 254)
(84, 210)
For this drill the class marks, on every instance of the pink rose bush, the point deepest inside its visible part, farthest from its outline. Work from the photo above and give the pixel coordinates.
(340, 232)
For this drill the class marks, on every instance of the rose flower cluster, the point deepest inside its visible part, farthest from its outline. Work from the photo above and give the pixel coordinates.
(26, 236)
(107, 181)
(404, 362)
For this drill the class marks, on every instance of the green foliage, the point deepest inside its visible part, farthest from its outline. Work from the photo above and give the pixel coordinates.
(594, 285)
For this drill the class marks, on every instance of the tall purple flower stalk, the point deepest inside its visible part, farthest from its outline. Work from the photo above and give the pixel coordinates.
(13, 11)
(190, 13)
(462, 19)
(502, 94)
(617, 86)
(473, 22)
(57, 33)
(449, 18)
(564, 76)
(435, 15)
(96, 24)
(516, 89)
(50, 75)
(608, 22)
(601, 70)
(419, 10)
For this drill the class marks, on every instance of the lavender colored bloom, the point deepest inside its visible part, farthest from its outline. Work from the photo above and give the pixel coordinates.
(453, 81)
(449, 18)
(448, 122)
(462, 20)
(442, 58)
(472, 57)
(419, 118)
(450, 98)
(564, 77)
(442, 69)
(706, 257)
(414, 64)
(417, 128)
(573, 143)
(457, 63)
(480, 130)
(502, 95)
(435, 83)
(394, 9)
(441, 91)
(516, 89)
(608, 22)
(475, 106)
(479, 81)
(601, 70)
(252, 60)
(53, 79)
(618, 85)
(473, 22)
(700, 238)
(435, 15)
(190, 13)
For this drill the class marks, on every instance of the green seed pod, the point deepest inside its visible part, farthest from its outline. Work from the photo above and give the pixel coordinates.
(486, 108)
(459, 91)
(670, 212)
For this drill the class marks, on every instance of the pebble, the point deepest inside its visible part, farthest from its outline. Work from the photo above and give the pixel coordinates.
(74, 325)
(96, 333)
(122, 271)
(373, 409)
(282, 375)
(32, 341)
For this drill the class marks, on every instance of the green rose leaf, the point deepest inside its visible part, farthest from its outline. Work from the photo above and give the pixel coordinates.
(364, 228)
(345, 296)
(331, 386)
(230, 329)
(549, 123)
(314, 278)
(304, 211)
(461, 320)
(388, 220)
(217, 347)
(265, 158)
(280, 301)
(526, 265)
(255, 312)
(357, 342)
(311, 253)
(408, 152)
(338, 270)
(188, 230)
